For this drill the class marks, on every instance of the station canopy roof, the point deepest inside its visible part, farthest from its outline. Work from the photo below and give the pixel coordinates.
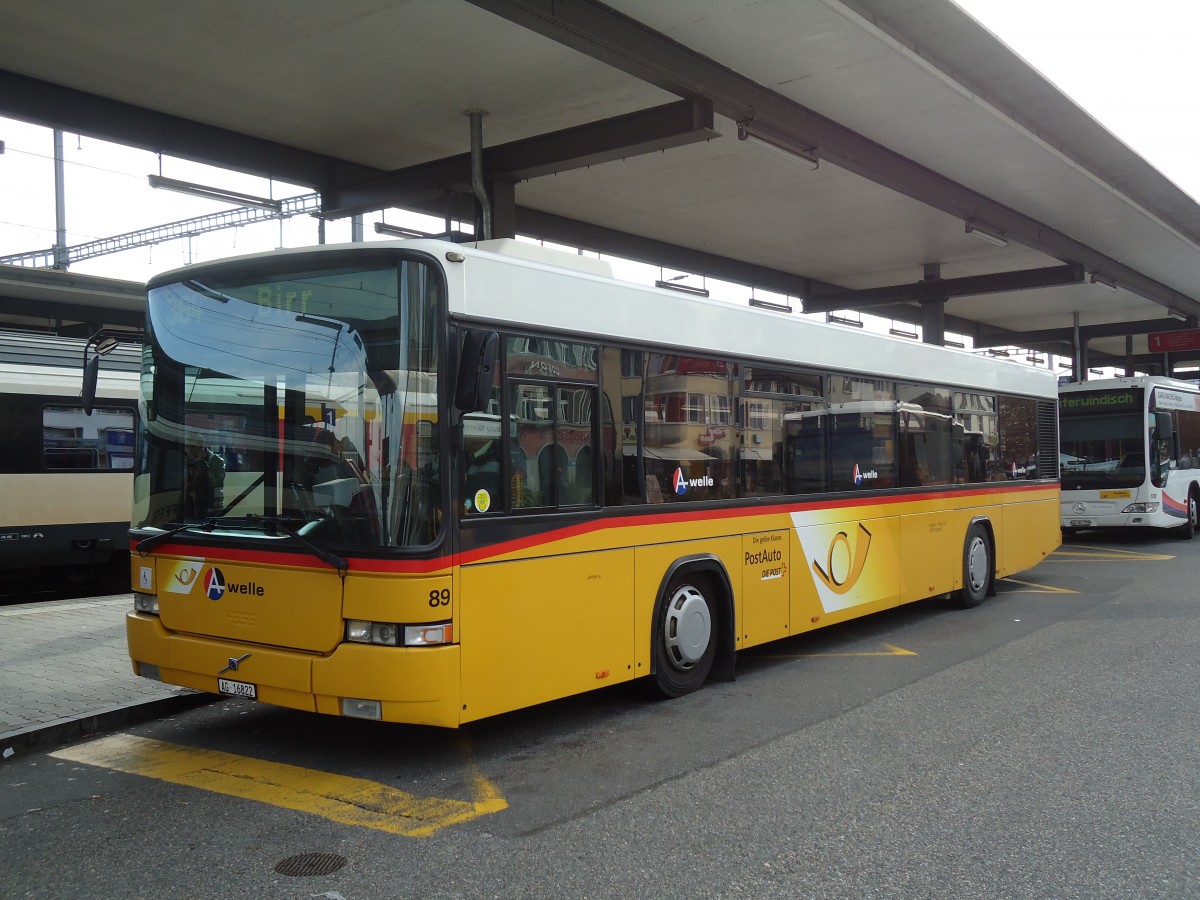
(617, 127)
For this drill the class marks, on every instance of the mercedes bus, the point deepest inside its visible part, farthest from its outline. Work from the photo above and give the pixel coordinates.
(1129, 454)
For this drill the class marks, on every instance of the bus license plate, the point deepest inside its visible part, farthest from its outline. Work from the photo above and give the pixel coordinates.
(1081, 523)
(237, 689)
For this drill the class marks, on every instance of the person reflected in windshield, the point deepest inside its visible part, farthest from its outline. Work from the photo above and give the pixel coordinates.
(204, 483)
(325, 462)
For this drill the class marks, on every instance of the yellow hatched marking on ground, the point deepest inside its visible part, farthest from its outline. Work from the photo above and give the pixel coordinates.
(1035, 588)
(1083, 551)
(350, 801)
(892, 650)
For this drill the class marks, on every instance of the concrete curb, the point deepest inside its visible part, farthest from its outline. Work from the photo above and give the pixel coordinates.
(53, 734)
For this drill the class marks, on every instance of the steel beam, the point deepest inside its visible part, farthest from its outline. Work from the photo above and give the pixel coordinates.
(55, 106)
(994, 337)
(548, 226)
(943, 288)
(645, 131)
(596, 30)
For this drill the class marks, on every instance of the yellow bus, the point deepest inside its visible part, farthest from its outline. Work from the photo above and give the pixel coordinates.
(458, 480)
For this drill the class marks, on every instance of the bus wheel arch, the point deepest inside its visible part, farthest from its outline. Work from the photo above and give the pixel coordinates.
(691, 635)
(979, 564)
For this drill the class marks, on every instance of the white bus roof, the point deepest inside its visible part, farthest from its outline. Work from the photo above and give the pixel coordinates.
(543, 289)
(1140, 381)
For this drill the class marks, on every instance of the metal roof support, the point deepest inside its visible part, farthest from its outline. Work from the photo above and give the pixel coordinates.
(503, 194)
(618, 243)
(60, 204)
(603, 33)
(1079, 351)
(998, 337)
(55, 106)
(645, 131)
(933, 308)
(477, 185)
(928, 288)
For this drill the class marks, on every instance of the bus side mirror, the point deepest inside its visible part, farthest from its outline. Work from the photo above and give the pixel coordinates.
(98, 345)
(91, 377)
(476, 370)
(1162, 426)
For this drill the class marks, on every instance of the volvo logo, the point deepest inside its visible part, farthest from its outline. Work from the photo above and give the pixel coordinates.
(234, 663)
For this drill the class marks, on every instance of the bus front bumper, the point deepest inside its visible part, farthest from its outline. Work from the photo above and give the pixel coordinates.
(418, 686)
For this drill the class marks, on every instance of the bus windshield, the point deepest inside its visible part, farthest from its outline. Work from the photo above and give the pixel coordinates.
(303, 403)
(1102, 448)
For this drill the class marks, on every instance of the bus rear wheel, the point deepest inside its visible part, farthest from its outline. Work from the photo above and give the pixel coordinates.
(977, 566)
(686, 644)
(1187, 530)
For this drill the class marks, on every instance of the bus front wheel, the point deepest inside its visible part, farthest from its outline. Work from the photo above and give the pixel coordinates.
(977, 566)
(686, 643)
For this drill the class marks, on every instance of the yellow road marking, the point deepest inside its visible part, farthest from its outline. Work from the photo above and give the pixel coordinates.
(892, 650)
(350, 801)
(1083, 551)
(1038, 588)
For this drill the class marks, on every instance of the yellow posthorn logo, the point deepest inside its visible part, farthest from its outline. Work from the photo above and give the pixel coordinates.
(184, 576)
(856, 554)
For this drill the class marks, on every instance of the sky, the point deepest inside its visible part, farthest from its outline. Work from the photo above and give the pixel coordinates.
(1132, 66)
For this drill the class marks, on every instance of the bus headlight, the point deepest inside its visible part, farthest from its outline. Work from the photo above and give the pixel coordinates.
(382, 633)
(146, 603)
(388, 634)
(1141, 508)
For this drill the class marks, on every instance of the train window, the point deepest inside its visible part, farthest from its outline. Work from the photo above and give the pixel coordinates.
(73, 440)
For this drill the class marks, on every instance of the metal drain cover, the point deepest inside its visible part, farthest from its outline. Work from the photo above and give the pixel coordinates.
(310, 864)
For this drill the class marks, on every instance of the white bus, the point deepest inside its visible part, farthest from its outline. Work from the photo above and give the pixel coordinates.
(1129, 454)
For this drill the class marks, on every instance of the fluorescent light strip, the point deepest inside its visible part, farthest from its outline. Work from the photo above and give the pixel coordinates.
(397, 231)
(212, 193)
(747, 131)
(986, 234)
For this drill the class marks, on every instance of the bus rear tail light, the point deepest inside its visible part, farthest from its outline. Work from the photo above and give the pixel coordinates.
(1141, 508)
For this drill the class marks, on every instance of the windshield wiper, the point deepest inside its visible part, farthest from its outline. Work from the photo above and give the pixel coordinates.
(279, 523)
(271, 525)
(147, 544)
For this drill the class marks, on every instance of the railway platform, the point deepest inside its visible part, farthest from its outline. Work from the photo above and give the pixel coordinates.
(65, 672)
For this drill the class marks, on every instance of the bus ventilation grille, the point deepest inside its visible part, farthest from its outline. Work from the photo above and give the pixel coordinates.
(1047, 439)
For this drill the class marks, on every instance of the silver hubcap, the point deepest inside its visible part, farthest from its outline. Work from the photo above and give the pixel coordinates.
(687, 628)
(977, 564)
